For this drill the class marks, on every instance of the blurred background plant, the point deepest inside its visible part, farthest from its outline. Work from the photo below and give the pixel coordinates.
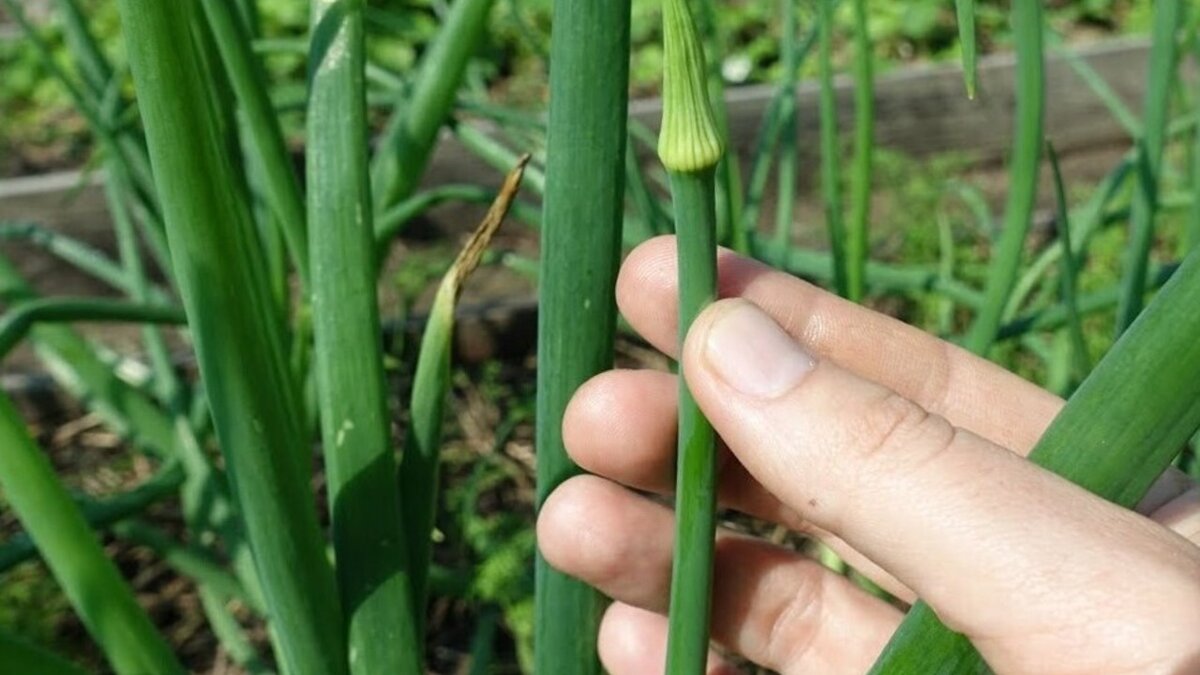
(40, 129)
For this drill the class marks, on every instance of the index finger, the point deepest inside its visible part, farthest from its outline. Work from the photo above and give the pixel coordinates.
(970, 392)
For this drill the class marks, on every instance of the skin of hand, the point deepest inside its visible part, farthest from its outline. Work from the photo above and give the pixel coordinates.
(902, 452)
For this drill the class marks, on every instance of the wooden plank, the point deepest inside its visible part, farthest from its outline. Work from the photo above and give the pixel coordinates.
(921, 111)
(66, 200)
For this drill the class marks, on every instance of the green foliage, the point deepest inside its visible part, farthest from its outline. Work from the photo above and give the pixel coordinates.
(932, 245)
(227, 252)
(32, 605)
(34, 111)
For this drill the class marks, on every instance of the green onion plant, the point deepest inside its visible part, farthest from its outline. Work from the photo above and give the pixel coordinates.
(1168, 16)
(831, 191)
(271, 276)
(1023, 173)
(580, 249)
(965, 9)
(374, 577)
(857, 240)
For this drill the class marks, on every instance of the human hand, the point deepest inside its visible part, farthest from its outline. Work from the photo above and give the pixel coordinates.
(901, 452)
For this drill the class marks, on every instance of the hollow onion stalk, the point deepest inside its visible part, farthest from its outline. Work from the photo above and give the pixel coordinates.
(84, 98)
(781, 108)
(580, 250)
(1192, 238)
(249, 82)
(1058, 316)
(97, 74)
(101, 514)
(1092, 217)
(74, 252)
(18, 321)
(831, 193)
(857, 241)
(780, 133)
(80, 371)
(1168, 16)
(690, 148)
(1192, 234)
(204, 494)
(1023, 174)
(731, 226)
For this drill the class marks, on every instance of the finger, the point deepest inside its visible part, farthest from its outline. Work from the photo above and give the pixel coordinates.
(969, 391)
(1182, 515)
(633, 641)
(621, 425)
(966, 524)
(773, 606)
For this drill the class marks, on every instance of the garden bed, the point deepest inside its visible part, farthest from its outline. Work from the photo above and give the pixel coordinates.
(922, 112)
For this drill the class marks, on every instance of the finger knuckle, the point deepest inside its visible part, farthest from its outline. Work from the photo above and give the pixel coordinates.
(887, 425)
(894, 433)
(796, 622)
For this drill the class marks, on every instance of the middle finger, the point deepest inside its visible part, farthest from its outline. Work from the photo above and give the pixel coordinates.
(770, 605)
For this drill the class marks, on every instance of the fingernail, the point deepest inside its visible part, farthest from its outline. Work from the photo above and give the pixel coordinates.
(753, 355)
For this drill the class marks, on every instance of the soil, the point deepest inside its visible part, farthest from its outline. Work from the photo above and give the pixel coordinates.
(95, 462)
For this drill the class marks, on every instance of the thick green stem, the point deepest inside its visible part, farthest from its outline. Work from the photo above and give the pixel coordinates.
(581, 247)
(373, 570)
(690, 149)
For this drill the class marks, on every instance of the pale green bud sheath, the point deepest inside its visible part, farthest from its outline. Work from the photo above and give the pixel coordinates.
(689, 147)
(689, 141)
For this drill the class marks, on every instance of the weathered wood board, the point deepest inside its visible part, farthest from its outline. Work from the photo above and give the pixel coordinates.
(920, 111)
